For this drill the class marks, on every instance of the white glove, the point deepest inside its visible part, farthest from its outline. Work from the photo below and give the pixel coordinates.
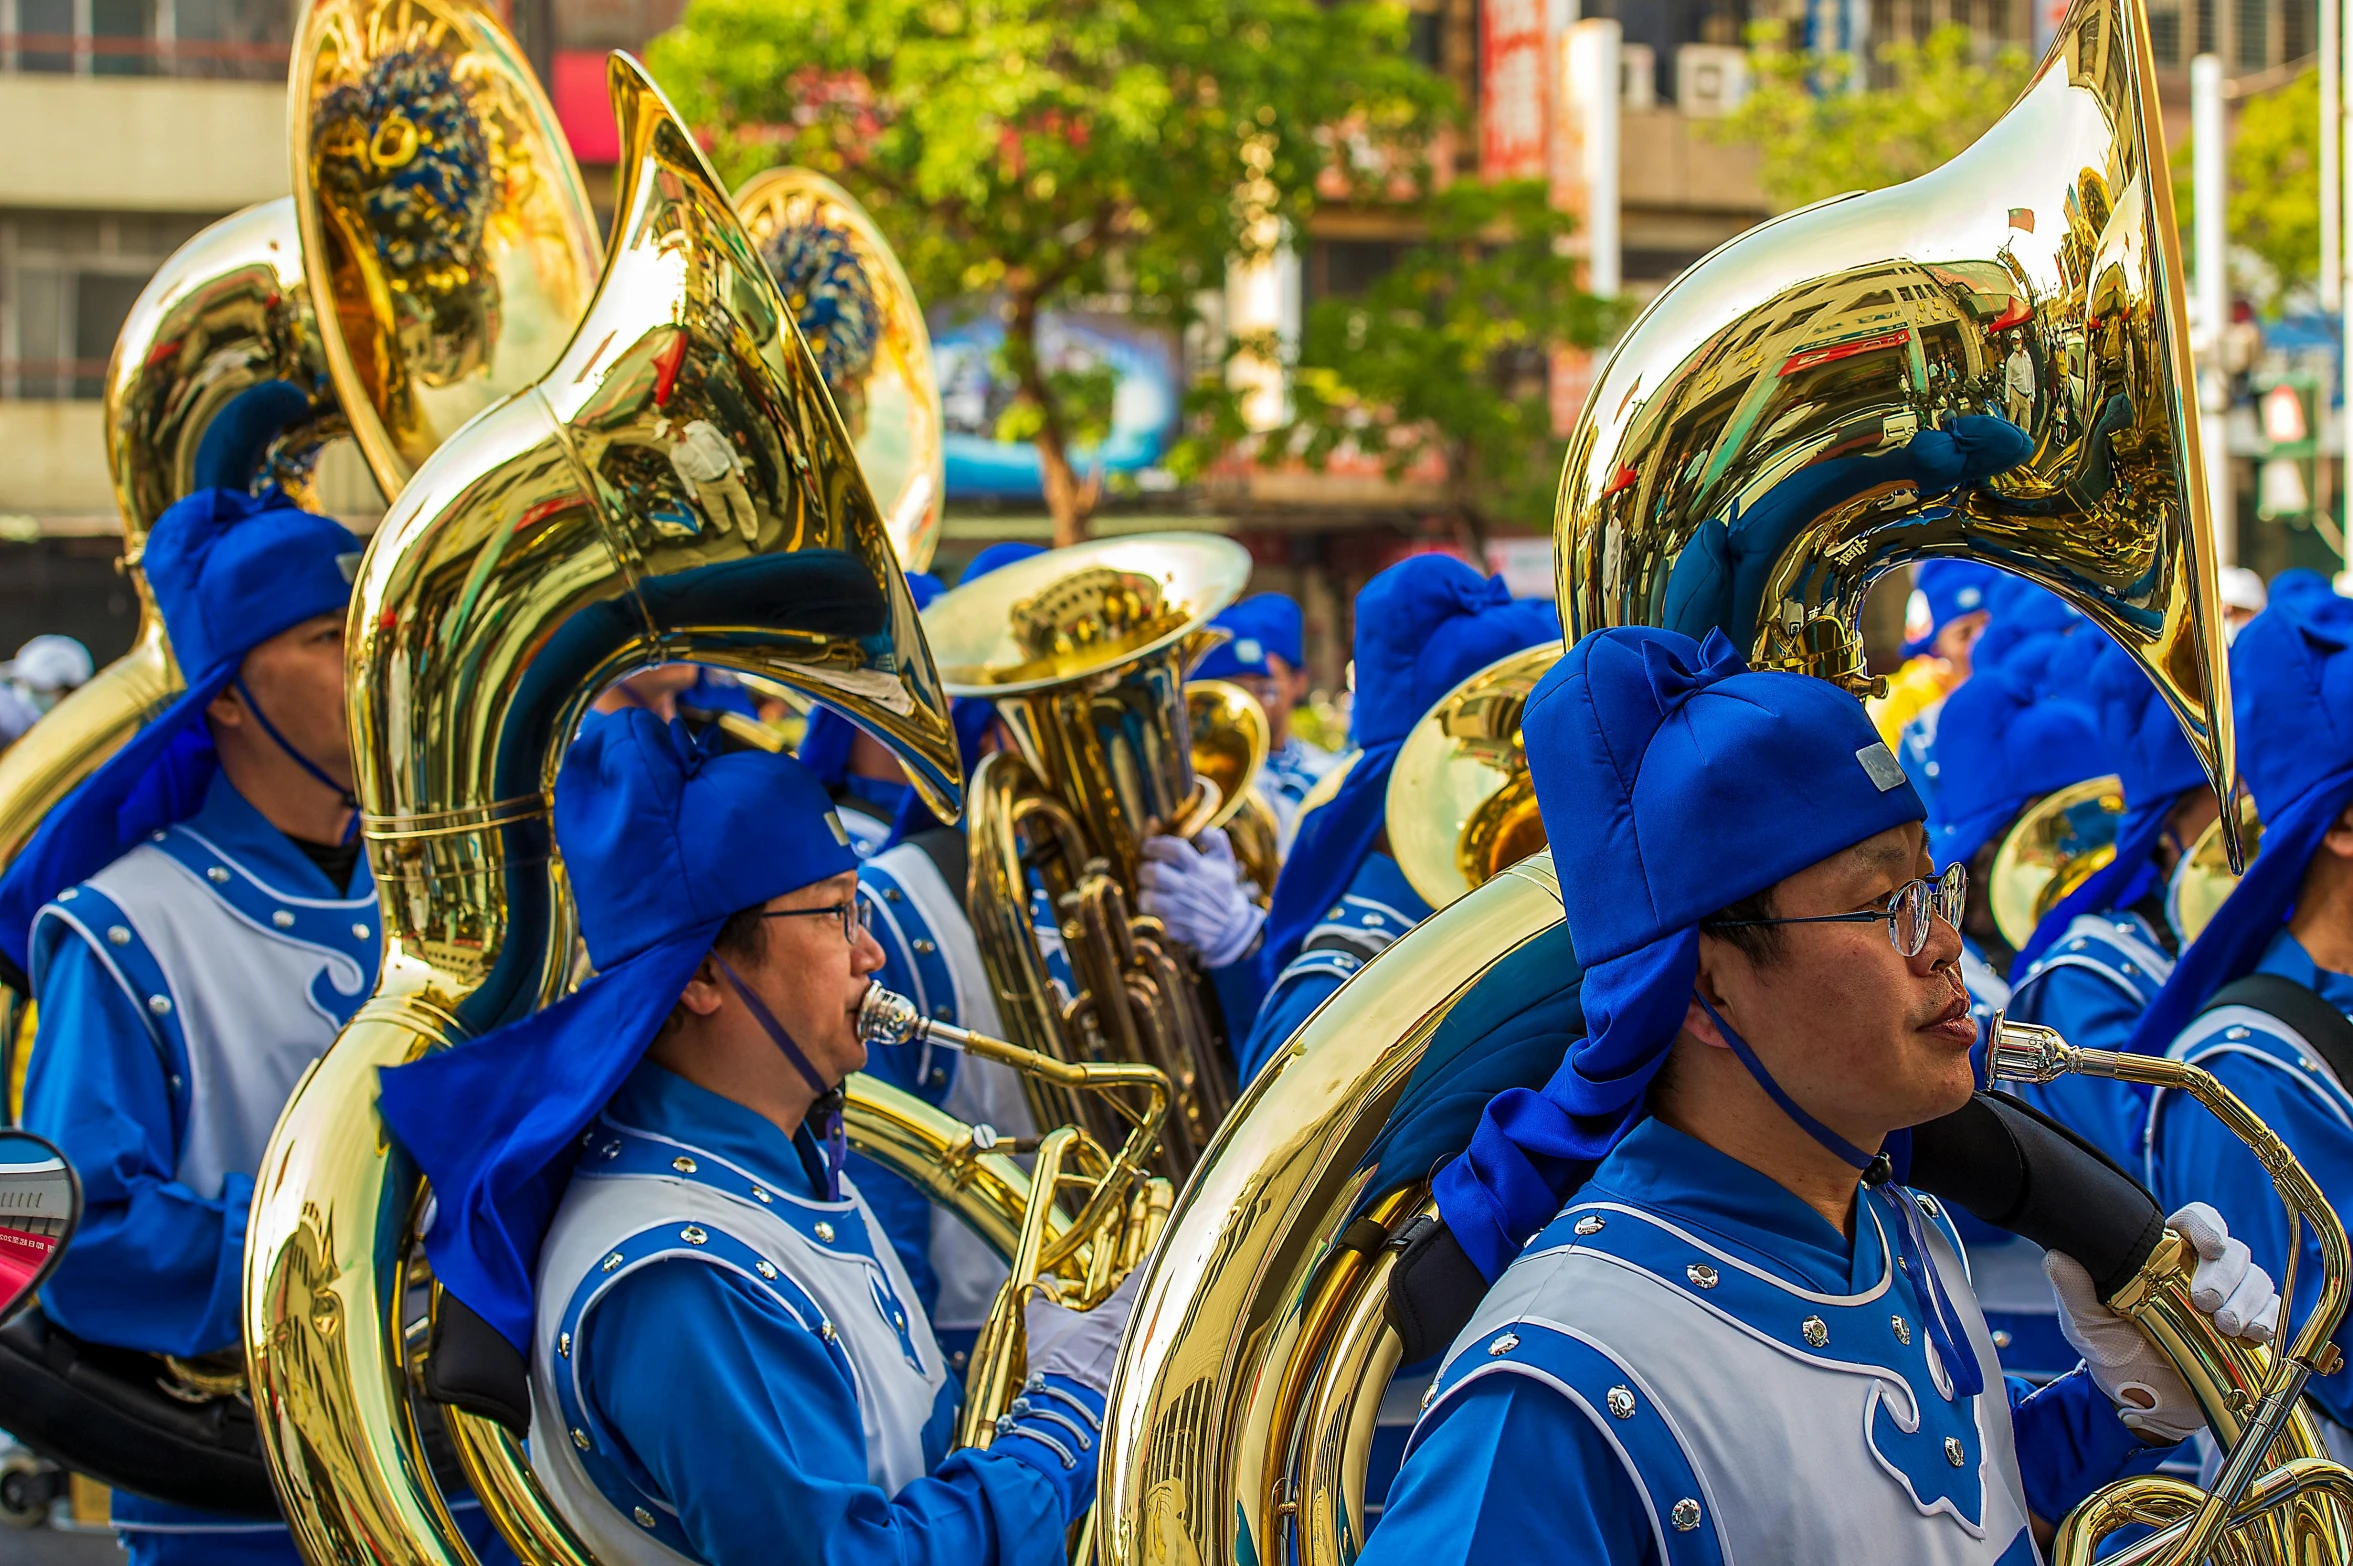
(1080, 1344)
(1199, 893)
(2148, 1392)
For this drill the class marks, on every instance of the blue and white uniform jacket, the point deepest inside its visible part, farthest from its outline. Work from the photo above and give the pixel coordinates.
(2092, 984)
(183, 991)
(932, 958)
(2191, 1157)
(1379, 906)
(1284, 783)
(1690, 1365)
(728, 1368)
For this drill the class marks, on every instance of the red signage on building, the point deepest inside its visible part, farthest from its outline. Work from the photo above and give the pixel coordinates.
(1512, 96)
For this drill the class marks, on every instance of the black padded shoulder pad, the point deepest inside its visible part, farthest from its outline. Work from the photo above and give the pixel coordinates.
(1433, 1289)
(471, 1366)
(2020, 1170)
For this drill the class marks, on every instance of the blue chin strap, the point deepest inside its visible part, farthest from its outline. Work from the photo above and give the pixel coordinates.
(829, 1096)
(304, 762)
(1945, 1332)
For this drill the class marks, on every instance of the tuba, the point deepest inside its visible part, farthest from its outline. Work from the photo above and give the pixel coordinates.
(2060, 842)
(1083, 651)
(1461, 807)
(1231, 739)
(2205, 876)
(860, 317)
(1745, 463)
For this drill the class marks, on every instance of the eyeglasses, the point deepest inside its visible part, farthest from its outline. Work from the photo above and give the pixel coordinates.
(1909, 912)
(856, 917)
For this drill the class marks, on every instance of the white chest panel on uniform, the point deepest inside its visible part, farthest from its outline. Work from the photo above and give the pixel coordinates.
(637, 1200)
(1762, 1424)
(254, 983)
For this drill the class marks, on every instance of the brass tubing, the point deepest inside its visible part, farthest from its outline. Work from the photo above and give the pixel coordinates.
(994, 1377)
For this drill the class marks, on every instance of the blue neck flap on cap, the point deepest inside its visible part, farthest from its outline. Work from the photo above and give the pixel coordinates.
(1423, 626)
(662, 838)
(229, 571)
(2291, 672)
(1676, 782)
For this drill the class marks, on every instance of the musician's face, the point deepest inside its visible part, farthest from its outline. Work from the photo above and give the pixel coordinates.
(1865, 1039)
(813, 980)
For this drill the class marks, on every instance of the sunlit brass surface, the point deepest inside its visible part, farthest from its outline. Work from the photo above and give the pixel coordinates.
(554, 547)
(1848, 330)
(2250, 1396)
(2056, 846)
(1837, 334)
(448, 241)
(1460, 803)
(1231, 739)
(2204, 878)
(1083, 651)
(887, 393)
(1239, 1421)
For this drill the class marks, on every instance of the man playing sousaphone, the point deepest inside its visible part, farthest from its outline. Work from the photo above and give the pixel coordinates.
(1740, 1338)
(643, 1194)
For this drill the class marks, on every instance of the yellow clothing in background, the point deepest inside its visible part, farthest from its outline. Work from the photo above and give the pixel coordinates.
(1919, 685)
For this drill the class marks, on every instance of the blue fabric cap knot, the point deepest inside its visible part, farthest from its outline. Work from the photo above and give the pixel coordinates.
(1998, 746)
(1423, 626)
(229, 571)
(662, 840)
(1673, 782)
(2291, 671)
(1263, 625)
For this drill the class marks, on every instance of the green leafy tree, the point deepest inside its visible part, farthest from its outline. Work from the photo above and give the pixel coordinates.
(1818, 137)
(1447, 356)
(1040, 153)
(2273, 212)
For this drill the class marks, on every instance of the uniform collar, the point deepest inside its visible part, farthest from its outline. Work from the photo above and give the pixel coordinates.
(655, 1099)
(2287, 957)
(1662, 1170)
(232, 824)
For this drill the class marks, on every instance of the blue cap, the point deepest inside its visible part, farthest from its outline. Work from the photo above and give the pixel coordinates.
(1423, 626)
(653, 827)
(1264, 625)
(1998, 748)
(1673, 782)
(229, 571)
(996, 557)
(1942, 592)
(2291, 671)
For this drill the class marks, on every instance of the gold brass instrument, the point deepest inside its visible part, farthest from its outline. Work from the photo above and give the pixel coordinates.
(1231, 740)
(2204, 877)
(860, 317)
(1120, 1207)
(1461, 806)
(446, 235)
(1083, 651)
(2059, 842)
(552, 547)
(2278, 1496)
(1810, 352)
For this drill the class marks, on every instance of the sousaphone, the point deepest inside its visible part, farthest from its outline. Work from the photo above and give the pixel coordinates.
(1746, 463)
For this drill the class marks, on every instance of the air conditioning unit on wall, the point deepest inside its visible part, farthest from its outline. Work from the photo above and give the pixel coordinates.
(1710, 79)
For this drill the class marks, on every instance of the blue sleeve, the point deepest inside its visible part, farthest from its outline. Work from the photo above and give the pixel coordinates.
(154, 1265)
(1293, 1000)
(1511, 1472)
(2070, 1442)
(1241, 993)
(2198, 1160)
(2089, 1013)
(742, 1421)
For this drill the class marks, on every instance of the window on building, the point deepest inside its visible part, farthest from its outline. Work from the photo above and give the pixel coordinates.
(2208, 21)
(1338, 268)
(242, 39)
(67, 281)
(2252, 24)
(2165, 32)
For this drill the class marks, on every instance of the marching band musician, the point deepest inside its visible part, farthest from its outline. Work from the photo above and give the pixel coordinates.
(2098, 958)
(1267, 658)
(646, 1197)
(1423, 626)
(205, 925)
(1739, 1338)
(1950, 606)
(2261, 997)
